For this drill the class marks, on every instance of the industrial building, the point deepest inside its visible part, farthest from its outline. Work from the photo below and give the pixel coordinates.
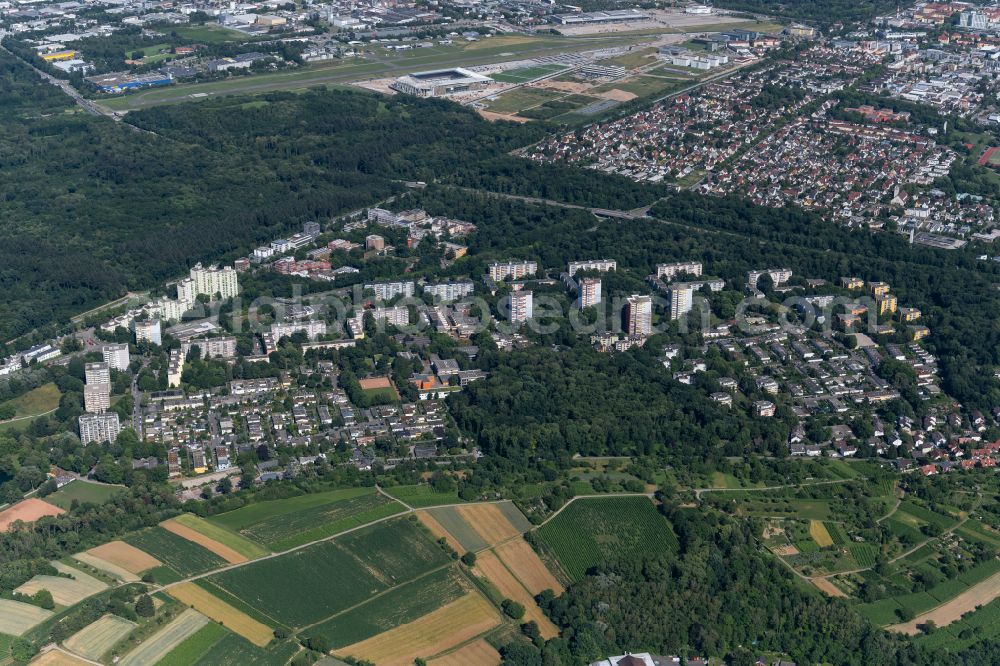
(121, 81)
(610, 16)
(440, 83)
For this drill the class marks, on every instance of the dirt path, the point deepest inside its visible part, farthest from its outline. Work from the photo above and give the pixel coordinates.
(979, 594)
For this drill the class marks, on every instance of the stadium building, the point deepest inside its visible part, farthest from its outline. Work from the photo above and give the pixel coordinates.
(440, 83)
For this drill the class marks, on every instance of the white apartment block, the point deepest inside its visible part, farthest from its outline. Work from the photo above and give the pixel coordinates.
(638, 315)
(175, 368)
(97, 373)
(312, 329)
(521, 306)
(386, 290)
(209, 281)
(681, 299)
(99, 427)
(512, 269)
(224, 347)
(449, 291)
(590, 292)
(397, 316)
(97, 397)
(670, 271)
(602, 265)
(778, 276)
(116, 356)
(149, 331)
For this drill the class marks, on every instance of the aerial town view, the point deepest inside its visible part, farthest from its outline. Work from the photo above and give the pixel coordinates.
(499, 332)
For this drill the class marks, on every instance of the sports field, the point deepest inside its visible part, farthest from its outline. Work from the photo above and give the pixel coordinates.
(208, 604)
(82, 491)
(181, 555)
(28, 511)
(525, 74)
(98, 637)
(590, 531)
(396, 607)
(286, 523)
(434, 633)
(17, 618)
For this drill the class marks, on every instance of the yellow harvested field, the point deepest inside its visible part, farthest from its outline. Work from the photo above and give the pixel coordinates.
(126, 556)
(162, 642)
(489, 522)
(477, 653)
(231, 618)
(29, 511)
(112, 570)
(57, 657)
(817, 530)
(431, 523)
(618, 95)
(490, 566)
(528, 567)
(828, 587)
(222, 550)
(65, 591)
(17, 618)
(436, 632)
(979, 594)
(98, 637)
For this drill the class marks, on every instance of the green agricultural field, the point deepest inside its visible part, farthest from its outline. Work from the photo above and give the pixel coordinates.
(308, 585)
(589, 531)
(641, 86)
(36, 402)
(423, 495)
(404, 604)
(194, 646)
(299, 520)
(235, 650)
(6, 640)
(304, 586)
(181, 555)
(395, 551)
(449, 519)
(240, 544)
(836, 532)
(926, 515)
(82, 491)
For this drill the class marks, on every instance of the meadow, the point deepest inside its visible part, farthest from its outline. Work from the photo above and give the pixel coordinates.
(82, 491)
(423, 495)
(590, 531)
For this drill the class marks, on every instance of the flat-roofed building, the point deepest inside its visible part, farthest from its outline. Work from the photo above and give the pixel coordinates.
(638, 315)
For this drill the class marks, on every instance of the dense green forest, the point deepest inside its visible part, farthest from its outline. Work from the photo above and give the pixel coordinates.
(821, 11)
(93, 209)
(721, 594)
